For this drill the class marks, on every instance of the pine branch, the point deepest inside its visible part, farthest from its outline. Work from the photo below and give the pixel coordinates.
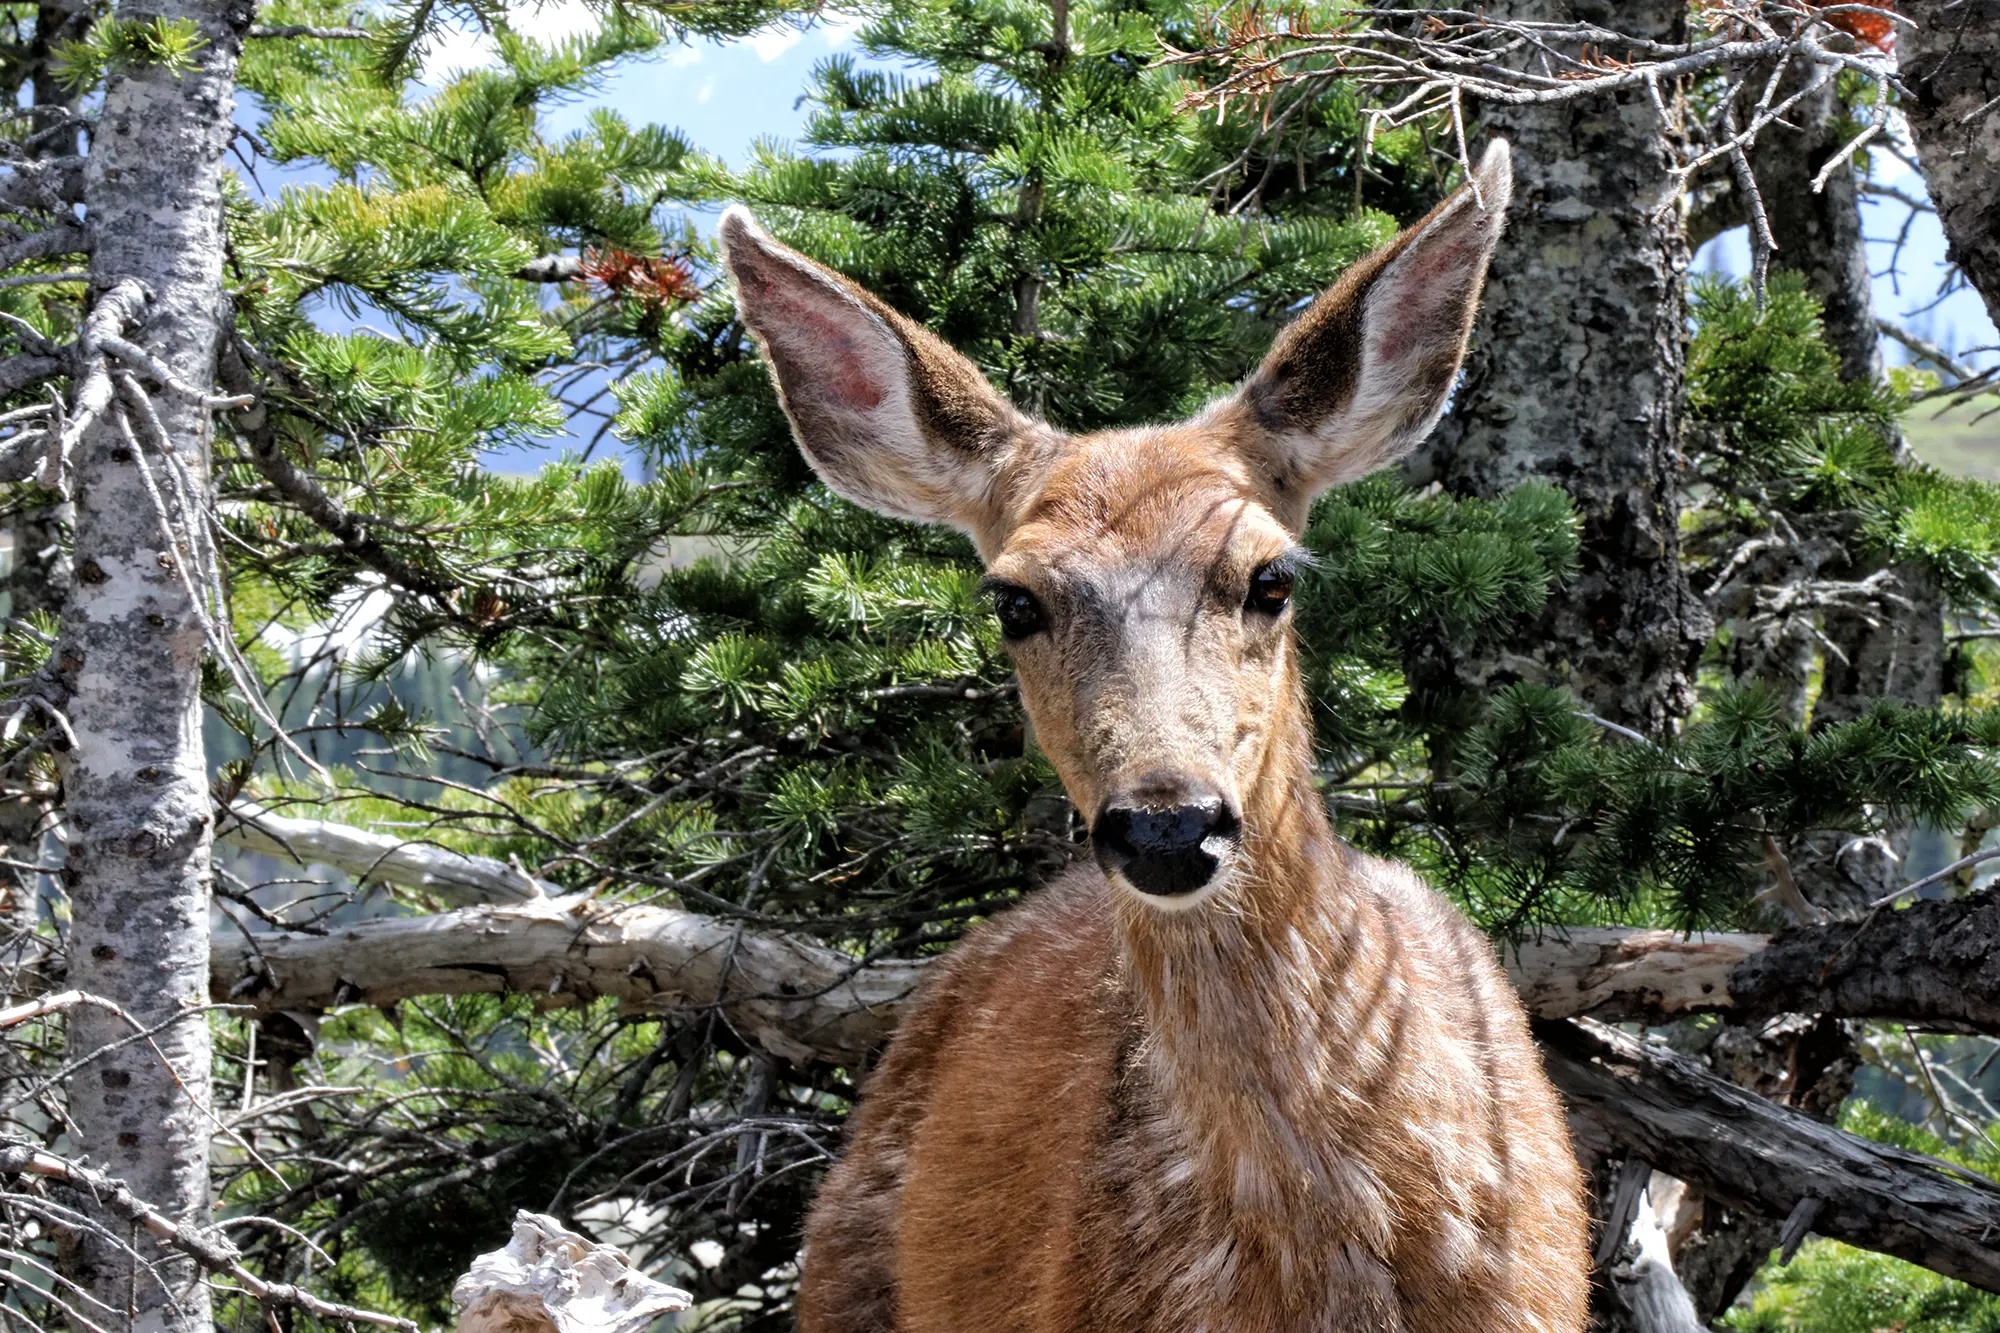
(267, 456)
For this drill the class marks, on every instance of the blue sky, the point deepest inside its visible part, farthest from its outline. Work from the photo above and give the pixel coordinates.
(725, 96)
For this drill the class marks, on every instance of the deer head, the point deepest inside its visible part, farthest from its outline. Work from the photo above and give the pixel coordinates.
(1141, 577)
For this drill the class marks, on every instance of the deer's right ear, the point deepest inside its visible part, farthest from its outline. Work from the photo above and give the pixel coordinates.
(888, 414)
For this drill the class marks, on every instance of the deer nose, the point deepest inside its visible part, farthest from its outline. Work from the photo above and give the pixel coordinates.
(1165, 838)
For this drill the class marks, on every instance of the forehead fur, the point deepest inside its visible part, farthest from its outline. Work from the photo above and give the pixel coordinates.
(1144, 491)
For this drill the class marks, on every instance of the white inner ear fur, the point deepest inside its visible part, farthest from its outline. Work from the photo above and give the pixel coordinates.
(1412, 317)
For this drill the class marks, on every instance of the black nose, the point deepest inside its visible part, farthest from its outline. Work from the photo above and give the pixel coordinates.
(1165, 837)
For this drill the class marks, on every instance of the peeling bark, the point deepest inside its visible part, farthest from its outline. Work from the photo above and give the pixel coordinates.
(1575, 377)
(127, 667)
(1951, 65)
(1620, 974)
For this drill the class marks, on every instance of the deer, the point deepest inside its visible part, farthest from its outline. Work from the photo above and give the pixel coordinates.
(1228, 1074)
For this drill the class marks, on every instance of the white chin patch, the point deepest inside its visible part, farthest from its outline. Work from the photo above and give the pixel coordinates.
(1178, 902)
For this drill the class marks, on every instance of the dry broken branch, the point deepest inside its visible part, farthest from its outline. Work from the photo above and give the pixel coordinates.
(211, 1251)
(1631, 1099)
(803, 1001)
(1928, 963)
(459, 878)
(796, 999)
(1409, 64)
(551, 1280)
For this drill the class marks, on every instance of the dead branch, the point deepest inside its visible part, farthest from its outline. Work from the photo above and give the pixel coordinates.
(1412, 64)
(456, 877)
(798, 1000)
(277, 30)
(69, 238)
(804, 1001)
(1923, 964)
(211, 1251)
(1631, 1099)
(266, 450)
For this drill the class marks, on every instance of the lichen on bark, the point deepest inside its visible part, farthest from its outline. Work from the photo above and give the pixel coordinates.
(1575, 378)
(127, 667)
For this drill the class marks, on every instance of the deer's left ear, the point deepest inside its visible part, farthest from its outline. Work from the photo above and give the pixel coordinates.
(1361, 377)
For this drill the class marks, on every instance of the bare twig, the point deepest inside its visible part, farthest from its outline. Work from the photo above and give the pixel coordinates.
(212, 1252)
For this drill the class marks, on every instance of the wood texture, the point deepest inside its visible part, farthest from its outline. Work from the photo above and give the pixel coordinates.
(1635, 1099)
(1951, 64)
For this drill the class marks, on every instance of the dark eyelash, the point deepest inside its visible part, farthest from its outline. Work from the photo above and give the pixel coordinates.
(1293, 564)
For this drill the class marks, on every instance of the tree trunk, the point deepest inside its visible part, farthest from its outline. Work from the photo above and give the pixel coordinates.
(1951, 65)
(135, 786)
(36, 582)
(1575, 377)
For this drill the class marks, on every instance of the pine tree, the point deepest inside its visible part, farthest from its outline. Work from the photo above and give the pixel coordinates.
(725, 689)
(776, 708)
(813, 729)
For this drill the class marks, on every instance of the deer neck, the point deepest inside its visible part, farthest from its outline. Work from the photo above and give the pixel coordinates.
(1260, 1011)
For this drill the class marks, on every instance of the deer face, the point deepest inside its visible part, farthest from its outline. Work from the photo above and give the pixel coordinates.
(1141, 577)
(1145, 596)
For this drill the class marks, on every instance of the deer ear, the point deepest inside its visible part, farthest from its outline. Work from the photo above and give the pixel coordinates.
(1362, 376)
(887, 413)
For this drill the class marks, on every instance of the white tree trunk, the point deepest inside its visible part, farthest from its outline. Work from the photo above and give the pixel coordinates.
(135, 785)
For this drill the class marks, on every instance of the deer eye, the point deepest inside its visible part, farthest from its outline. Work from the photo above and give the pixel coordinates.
(1270, 589)
(1020, 612)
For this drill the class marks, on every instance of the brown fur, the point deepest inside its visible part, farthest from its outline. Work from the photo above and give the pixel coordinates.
(1303, 1101)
